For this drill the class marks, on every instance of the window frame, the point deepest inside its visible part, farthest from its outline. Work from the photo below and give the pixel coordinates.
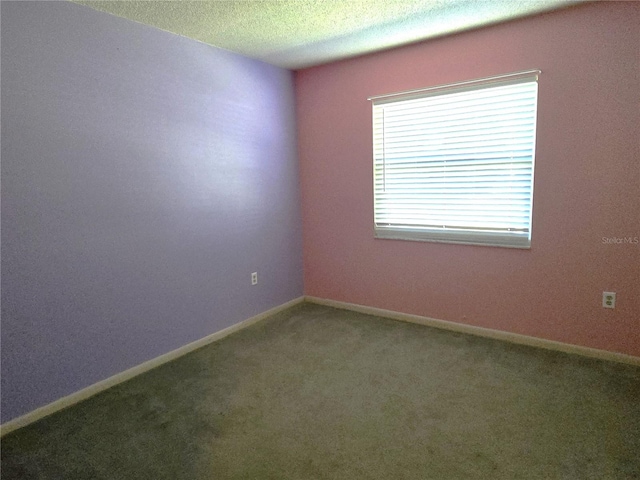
(454, 235)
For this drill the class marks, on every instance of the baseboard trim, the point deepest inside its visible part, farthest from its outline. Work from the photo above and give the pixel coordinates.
(118, 378)
(481, 331)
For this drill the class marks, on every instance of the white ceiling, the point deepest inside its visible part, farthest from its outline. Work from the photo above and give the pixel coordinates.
(300, 33)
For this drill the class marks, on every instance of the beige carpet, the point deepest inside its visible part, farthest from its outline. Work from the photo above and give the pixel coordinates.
(321, 393)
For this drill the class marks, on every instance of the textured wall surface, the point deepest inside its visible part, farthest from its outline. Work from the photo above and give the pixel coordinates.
(144, 177)
(587, 181)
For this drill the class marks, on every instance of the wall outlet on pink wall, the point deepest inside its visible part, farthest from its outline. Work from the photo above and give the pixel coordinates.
(609, 299)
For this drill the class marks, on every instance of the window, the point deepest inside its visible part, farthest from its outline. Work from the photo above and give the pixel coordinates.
(455, 163)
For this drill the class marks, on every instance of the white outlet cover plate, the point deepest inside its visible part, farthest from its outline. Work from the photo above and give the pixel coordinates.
(609, 299)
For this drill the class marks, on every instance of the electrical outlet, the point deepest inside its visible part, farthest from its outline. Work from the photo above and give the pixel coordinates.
(609, 299)
(254, 278)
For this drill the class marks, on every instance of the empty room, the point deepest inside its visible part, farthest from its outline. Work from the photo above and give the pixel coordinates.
(342, 239)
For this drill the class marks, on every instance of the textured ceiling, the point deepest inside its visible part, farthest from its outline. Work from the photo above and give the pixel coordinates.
(300, 33)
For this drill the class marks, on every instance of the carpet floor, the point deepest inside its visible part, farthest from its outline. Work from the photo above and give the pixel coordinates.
(321, 393)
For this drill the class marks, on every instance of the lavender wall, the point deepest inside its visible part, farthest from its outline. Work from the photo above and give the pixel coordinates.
(144, 177)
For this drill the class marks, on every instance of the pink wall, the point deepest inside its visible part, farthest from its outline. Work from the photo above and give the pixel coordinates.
(587, 183)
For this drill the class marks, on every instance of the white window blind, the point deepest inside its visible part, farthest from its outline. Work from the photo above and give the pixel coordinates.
(455, 163)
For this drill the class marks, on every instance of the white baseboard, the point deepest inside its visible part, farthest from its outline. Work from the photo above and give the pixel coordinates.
(482, 332)
(102, 385)
(92, 390)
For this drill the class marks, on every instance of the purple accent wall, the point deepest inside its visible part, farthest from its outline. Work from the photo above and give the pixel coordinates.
(144, 177)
